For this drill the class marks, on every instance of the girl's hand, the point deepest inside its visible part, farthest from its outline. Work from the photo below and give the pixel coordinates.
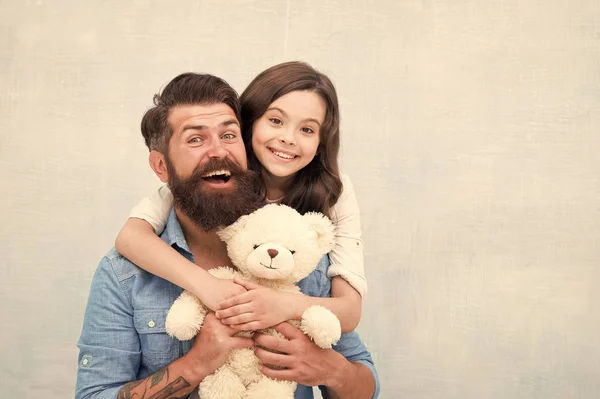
(259, 307)
(217, 290)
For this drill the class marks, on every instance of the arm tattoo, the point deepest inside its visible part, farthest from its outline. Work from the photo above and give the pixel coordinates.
(125, 392)
(154, 379)
(175, 386)
(158, 376)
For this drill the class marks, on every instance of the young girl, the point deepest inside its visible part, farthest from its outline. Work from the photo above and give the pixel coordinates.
(290, 127)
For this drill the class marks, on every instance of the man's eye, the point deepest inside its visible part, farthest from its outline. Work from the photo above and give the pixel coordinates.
(229, 136)
(276, 121)
(307, 130)
(195, 140)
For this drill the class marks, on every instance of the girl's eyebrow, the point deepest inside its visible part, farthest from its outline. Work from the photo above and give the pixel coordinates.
(313, 120)
(285, 115)
(277, 109)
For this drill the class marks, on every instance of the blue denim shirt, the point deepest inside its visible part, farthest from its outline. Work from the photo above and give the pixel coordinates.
(124, 337)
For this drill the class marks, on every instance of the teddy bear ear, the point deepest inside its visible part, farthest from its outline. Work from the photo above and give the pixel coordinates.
(324, 229)
(226, 233)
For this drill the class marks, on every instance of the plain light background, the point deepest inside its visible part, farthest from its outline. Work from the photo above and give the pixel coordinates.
(469, 128)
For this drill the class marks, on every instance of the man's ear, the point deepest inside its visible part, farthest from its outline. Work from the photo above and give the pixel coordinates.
(159, 165)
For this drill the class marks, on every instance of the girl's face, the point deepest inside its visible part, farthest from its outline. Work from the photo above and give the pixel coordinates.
(286, 137)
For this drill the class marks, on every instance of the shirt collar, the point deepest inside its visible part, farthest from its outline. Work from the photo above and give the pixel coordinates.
(173, 235)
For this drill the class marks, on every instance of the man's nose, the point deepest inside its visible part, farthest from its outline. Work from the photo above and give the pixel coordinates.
(217, 150)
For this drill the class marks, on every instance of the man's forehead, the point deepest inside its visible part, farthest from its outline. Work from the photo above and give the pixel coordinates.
(208, 114)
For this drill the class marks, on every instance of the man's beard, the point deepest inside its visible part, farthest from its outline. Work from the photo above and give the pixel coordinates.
(209, 207)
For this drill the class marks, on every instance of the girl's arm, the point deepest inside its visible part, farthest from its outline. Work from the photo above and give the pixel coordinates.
(347, 257)
(345, 302)
(138, 242)
(261, 307)
(347, 271)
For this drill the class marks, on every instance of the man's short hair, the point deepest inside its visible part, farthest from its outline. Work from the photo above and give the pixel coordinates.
(185, 89)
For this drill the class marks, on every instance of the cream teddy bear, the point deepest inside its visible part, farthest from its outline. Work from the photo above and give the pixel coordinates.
(276, 247)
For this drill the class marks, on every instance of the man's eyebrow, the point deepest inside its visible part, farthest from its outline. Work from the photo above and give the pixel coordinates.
(286, 115)
(194, 127)
(229, 122)
(226, 123)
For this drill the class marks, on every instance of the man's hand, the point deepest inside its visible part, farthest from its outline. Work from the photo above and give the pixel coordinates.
(259, 307)
(304, 362)
(212, 345)
(180, 378)
(217, 290)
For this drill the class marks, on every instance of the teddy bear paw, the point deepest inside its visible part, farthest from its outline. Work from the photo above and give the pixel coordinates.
(321, 325)
(184, 319)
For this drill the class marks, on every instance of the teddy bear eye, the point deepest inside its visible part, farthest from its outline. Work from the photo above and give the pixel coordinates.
(293, 252)
(256, 246)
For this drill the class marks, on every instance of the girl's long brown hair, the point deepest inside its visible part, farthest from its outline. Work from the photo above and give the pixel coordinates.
(318, 185)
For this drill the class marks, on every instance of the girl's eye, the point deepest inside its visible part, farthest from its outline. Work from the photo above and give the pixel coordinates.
(276, 121)
(307, 130)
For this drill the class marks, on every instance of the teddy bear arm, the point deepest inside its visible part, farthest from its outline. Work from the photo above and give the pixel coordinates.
(185, 316)
(321, 325)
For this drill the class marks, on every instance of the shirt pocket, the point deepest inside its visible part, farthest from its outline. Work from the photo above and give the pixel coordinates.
(158, 348)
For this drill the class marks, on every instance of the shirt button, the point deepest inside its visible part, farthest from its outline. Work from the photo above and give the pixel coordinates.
(151, 323)
(84, 362)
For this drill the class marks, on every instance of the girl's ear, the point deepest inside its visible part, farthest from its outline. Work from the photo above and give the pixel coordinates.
(159, 165)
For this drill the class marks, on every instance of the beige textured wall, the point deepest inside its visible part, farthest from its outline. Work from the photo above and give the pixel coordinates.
(470, 129)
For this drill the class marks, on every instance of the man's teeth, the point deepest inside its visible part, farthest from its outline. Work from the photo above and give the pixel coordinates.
(218, 172)
(283, 155)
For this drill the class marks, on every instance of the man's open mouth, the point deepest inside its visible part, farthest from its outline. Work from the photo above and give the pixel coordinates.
(217, 176)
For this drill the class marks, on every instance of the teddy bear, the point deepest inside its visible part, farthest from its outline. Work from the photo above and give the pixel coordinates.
(274, 246)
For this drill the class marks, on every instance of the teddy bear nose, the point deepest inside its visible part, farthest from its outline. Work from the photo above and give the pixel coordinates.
(272, 252)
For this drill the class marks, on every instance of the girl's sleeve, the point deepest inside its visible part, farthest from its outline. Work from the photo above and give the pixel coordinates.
(155, 209)
(347, 258)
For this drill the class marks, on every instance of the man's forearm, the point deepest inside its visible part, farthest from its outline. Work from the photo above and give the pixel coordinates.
(352, 380)
(174, 381)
